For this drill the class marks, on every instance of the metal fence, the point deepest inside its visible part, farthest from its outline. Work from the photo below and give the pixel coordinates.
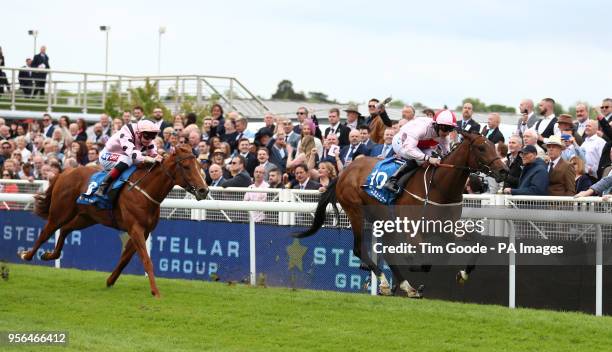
(556, 230)
(83, 92)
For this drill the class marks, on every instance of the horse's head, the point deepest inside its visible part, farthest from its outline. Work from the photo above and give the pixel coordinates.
(483, 157)
(187, 171)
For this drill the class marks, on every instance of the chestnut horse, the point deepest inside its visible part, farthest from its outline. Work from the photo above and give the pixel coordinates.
(136, 209)
(377, 130)
(474, 153)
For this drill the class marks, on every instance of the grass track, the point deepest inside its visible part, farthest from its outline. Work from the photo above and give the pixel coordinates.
(203, 316)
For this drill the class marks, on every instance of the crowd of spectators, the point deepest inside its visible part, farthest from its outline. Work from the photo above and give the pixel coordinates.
(546, 155)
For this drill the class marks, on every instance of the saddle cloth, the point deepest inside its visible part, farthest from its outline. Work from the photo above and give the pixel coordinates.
(105, 202)
(379, 176)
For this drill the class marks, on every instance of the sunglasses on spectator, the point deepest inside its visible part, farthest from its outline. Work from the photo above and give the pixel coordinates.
(234, 162)
(149, 135)
(300, 113)
(605, 107)
(6, 175)
(371, 106)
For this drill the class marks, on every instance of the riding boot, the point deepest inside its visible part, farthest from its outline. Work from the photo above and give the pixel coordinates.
(111, 177)
(108, 180)
(392, 184)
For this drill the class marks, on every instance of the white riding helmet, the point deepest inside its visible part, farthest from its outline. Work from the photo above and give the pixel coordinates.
(445, 117)
(147, 126)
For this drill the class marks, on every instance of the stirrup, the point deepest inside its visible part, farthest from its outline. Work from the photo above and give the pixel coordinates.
(392, 186)
(102, 188)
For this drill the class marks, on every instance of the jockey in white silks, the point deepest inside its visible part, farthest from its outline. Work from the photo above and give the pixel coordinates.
(416, 141)
(132, 144)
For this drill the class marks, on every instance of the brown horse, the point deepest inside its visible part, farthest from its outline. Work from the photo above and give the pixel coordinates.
(377, 130)
(475, 153)
(136, 209)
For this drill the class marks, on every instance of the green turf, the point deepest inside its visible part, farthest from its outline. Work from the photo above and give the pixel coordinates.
(202, 316)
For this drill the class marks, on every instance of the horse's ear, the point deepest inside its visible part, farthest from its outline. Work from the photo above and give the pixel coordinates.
(464, 134)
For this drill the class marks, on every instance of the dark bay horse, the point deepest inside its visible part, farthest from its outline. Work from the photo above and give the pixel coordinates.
(475, 153)
(136, 210)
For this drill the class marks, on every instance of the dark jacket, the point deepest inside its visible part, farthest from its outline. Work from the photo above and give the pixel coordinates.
(495, 137)
(378, 148)
(534, 180)
(361, 150)
(275, 156)
(37, 61)
(562, 179)
(342, 132)
(241, 180)
(472, 126)
(312, 185)
(583, 183)
(514, 172)
(604, 160)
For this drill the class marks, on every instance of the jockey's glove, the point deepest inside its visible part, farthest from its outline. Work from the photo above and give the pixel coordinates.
(149, 159)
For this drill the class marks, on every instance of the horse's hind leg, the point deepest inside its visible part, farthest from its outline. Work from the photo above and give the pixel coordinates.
(361, 252)
(126, 256)
(75, 224)
(44, 236)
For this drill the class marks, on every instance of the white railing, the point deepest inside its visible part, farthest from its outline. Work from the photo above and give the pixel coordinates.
(509, 216)
(86, 92)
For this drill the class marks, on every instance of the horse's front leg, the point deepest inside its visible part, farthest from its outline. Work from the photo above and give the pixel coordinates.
(137, 235)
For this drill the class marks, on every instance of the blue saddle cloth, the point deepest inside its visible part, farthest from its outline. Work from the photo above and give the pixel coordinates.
(105, 202)
(379, 176)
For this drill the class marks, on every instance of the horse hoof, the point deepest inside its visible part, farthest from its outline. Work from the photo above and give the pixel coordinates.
(385, 290)
(156, 294)
(462, 277)
(23, 255)
(45, 256)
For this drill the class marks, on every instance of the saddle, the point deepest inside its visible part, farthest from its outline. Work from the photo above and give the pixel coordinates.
(108, 200)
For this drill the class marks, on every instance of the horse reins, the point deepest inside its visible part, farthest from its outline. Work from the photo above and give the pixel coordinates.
(147, 195)
(450, 166)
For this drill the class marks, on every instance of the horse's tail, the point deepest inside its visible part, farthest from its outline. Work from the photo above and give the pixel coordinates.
(329, 196)
(42, 200)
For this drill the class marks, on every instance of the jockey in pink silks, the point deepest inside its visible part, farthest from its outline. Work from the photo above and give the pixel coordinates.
(416, 141)
(131, 145)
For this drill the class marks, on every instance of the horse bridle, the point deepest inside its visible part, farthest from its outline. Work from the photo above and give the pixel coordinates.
(190, 188)
(482, 167)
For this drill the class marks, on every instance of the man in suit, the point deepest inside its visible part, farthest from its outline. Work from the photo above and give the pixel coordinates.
(263, 157)
(41, 60)
(250, 158)
(561, 173)
(48, 126)
(336, 127)
(303, 181)
(383, 151)
(216, 175)
(301, 114)
(291, 137)
(26, 79)
(364, 132)
(582, 116)
(491, 131)
(240, 177)
(354, 149)
(277, 148)
(467, 123)
(354, 119)
(528, 118)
